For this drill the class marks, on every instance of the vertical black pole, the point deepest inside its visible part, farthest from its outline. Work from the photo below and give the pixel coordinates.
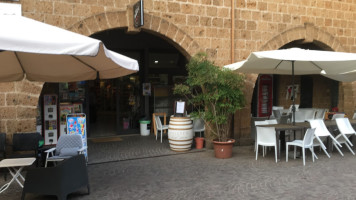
(293, 93)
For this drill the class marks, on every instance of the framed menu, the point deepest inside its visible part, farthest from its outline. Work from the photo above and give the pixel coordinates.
(179, 108)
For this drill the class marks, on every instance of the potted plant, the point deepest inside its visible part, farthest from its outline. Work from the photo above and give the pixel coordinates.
(215, 95)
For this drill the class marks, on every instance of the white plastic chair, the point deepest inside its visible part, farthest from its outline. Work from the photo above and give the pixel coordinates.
(320, 113)
(266, 136)
(198, 125)
(346, 131)
(160, 127)
(335, 116)
(256, 124)
(306, 143)
(321, 133)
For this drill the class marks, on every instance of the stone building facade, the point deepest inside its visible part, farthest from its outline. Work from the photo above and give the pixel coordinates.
(192, 26)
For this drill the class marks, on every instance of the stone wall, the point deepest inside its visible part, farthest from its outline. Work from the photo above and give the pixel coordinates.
(194, 25)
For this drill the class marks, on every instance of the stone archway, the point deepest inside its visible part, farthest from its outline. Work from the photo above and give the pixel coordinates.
(309, 33)
(153, 24)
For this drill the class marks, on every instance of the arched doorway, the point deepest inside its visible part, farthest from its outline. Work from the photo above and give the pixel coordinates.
(117, 105)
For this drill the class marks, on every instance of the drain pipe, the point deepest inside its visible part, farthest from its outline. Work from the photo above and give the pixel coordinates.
(232, 31)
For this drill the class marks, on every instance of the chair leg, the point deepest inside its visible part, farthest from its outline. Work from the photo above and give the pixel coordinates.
(161, 135)
(257, 151)
(348, 146)
(156, 134)
(295, 154)
(338, 149)
(275, 152)
(287, 152)
(312, 152)
(303, 149)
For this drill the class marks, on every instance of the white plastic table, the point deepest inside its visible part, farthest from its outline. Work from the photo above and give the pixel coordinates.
(15, 166)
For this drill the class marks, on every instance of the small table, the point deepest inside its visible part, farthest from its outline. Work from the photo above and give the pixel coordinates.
(15, 166)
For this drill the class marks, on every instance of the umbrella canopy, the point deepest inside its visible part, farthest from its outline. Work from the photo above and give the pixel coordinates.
(327, 63)
(335, 65)
(47, 53)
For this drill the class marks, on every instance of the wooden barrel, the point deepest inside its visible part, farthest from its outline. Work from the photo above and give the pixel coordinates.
(180, 133)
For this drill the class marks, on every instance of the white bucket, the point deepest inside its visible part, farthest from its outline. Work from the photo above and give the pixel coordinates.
(180, 133)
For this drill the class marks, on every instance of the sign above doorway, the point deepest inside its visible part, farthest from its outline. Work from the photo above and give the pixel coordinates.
(138, 14)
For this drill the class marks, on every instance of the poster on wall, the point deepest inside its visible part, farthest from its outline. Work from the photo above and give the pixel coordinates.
(146, 89)
(265, 96)
(289, 94)
(76, 124)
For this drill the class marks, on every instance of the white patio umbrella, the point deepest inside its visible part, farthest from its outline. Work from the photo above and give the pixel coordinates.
(47, 53)
(335, 65)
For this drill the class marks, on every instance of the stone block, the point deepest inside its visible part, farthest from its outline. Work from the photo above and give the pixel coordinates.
(44, 7)
(172, 31)
(63, 8)
(8, 112)
(102, 21)
(193, 20)
(186, 8)
(28, 6)
(97, 9)
(160, 6)
(92, 25)
(173, 7)
(55, 20)
(163, 28)
(223, 12)
(26, 112)
(80, 9)
(180, 19)
(29, 87)
(217, 22)
(90, 2)
(106, 3)
(7, 87)
(155, 23)
(205, 21)
(262, 6)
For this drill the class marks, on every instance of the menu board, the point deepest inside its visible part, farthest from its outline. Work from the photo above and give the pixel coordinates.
(76, 124)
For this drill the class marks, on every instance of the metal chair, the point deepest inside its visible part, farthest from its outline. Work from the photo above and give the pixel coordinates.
(159, 126)
(67, 146)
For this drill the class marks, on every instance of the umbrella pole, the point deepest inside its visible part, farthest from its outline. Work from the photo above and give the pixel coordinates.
(293, 93)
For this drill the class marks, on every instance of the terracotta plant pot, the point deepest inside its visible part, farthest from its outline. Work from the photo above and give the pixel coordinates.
(223, 149)
(199, 142)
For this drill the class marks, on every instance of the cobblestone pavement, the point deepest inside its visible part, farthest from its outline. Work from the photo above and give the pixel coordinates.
(201, 176)
(131, 147)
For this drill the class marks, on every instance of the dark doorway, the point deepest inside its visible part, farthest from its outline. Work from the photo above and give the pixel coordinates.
(119, 104)
(306, 92)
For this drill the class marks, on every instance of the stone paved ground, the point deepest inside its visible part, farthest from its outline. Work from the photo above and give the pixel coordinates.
(201, 176)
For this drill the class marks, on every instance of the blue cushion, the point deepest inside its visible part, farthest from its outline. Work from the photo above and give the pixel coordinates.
(69, 151)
